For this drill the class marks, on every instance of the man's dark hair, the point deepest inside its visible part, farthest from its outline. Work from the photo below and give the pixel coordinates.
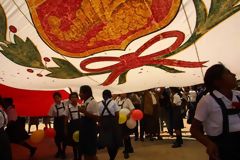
(106, 94)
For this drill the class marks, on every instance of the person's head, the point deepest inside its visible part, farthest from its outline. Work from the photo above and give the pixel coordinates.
(218, 77)
(57, 97)
(85, 92)
(123, 95)
(106, 94)
(73, 97)
(175, 90)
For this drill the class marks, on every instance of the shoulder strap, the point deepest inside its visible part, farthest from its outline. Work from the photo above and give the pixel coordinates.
(70, 112)
(238, 98)
(121, 105)
(89, 101)
(59, 108)
(4, 118)
(224, 113)
(105, 105)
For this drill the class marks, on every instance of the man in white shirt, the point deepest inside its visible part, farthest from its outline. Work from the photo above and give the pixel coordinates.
(109, 135)
(88, 129)
(57, 111)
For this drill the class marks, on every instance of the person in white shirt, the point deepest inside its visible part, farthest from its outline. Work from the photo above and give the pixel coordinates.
(57, 111)
(217, 116)
(88, 136)
(177, 116)
(74, 124)
(125, 102)
(5, 147)
(109, 135)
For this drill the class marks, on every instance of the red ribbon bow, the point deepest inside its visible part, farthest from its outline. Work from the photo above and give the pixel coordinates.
(134, 60)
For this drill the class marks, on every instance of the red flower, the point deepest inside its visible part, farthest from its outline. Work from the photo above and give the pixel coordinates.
(13, 29)
(46, 59)
(30, 70)
(39, 75)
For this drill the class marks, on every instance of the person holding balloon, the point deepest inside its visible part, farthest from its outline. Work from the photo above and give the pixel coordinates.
(126, 107)
(88, 129)
(57, 111)
(110, 135)
(74, 115)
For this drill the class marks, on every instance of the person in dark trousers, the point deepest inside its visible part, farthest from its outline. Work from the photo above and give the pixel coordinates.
(110, 135)
(218, 114)
(57, 111)
(135, 98)
(177, 116)
(15, 130)
(125, 102)
(74, 115)
(5, 147)
(88, 128)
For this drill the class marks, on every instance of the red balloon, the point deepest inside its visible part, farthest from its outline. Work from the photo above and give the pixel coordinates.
(50, 132)
(137, 114)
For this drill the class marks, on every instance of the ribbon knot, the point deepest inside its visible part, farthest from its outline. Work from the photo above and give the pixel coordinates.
(134, 60)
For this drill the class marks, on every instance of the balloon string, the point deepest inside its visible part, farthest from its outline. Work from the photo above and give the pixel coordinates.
(194, 43)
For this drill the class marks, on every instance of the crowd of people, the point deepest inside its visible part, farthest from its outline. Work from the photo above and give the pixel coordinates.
(214, 123)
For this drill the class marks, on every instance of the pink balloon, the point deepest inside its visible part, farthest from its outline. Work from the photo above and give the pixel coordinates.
(50, 132)
(137, 114)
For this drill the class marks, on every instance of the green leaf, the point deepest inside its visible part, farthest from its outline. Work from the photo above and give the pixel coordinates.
(122, 78)
(22, 53)
(3, 25)
(219, 11)
(65, 70)
(167, 69)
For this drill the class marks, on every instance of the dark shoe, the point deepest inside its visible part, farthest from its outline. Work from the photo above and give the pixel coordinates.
(63, 155)
(142, 139)
(176, 145)
(151, 139)
(136, 138)
(33, 151)
(160, 138)
(131, 150)
(181, 141)
(126, 155)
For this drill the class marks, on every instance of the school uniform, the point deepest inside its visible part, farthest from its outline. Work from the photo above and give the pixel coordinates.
(74, 120)
(109, 135)
(74, 115)
(221, 122)
(177, 115)
(126, 103)
(16, 132)
(5, 147)
(88, 129)
(58, 112)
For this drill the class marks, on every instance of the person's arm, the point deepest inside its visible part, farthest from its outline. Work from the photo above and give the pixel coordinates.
(197, 132)
(92, 113)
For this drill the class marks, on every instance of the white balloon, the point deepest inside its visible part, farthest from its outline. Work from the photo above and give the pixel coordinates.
(131, 123)
(124, 111)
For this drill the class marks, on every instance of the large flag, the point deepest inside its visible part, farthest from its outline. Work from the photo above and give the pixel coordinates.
(122, 45)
